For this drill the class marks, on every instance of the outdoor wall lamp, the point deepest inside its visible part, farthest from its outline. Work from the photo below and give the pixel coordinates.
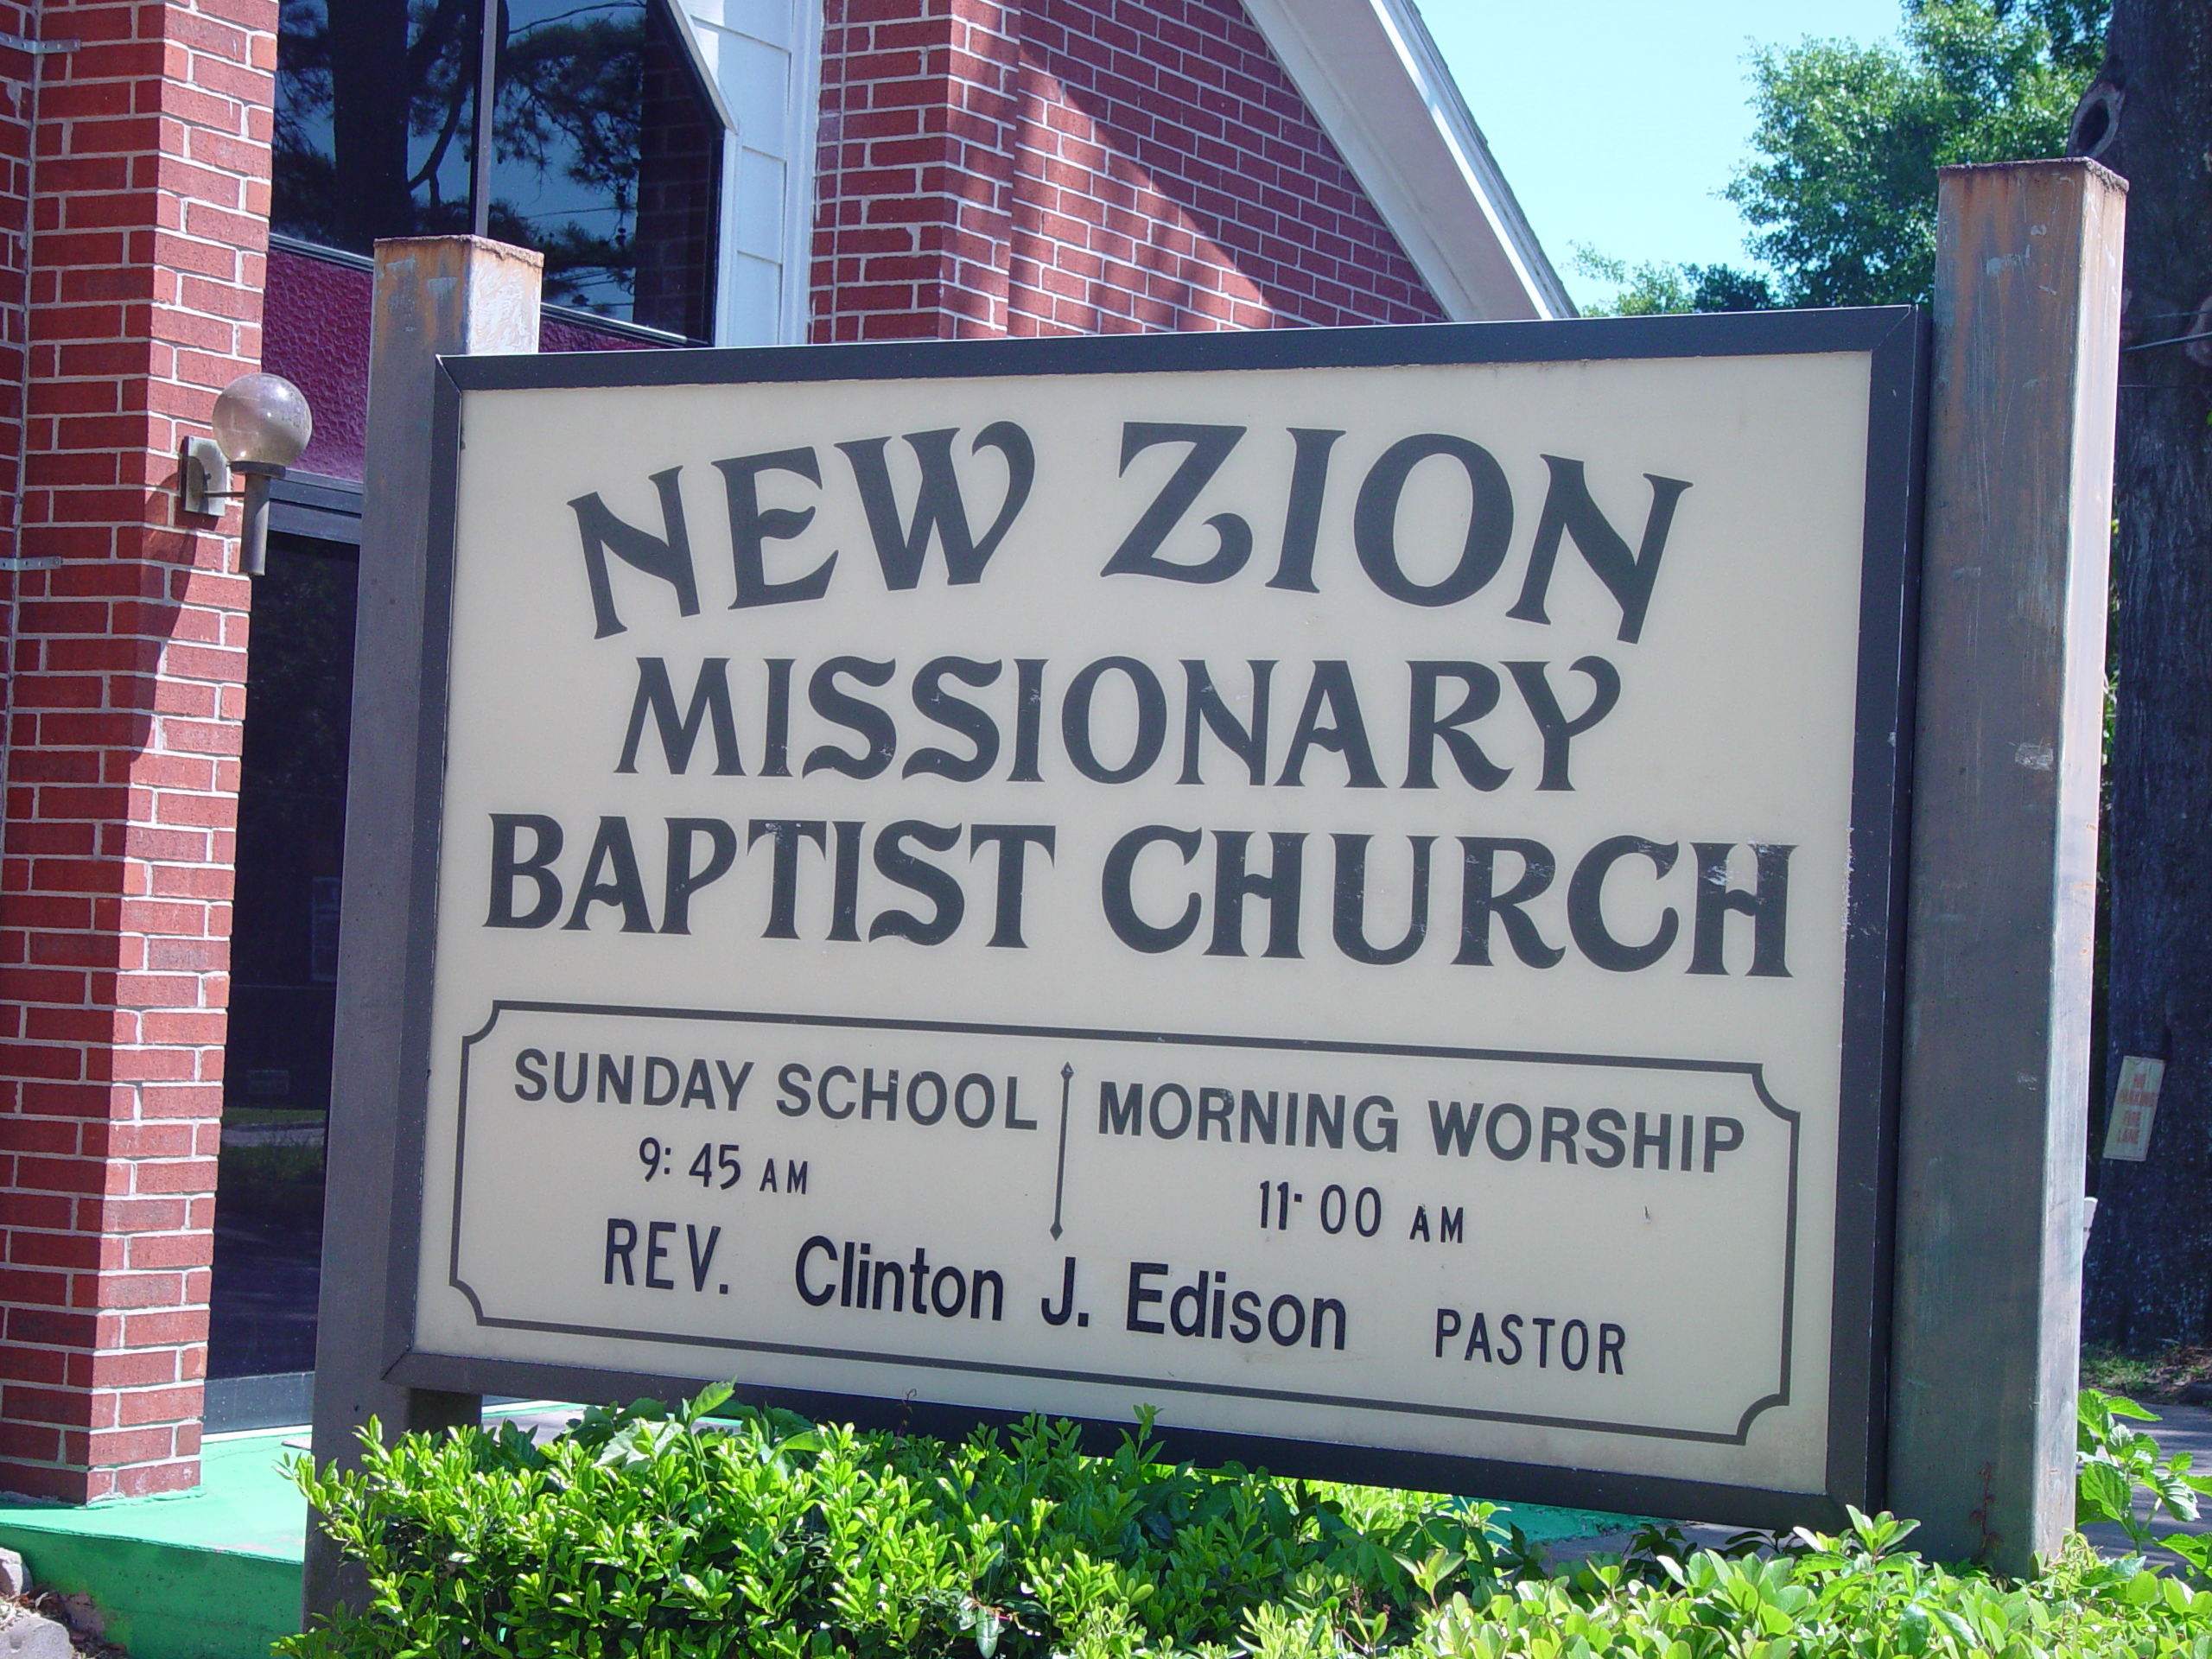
(262, 422)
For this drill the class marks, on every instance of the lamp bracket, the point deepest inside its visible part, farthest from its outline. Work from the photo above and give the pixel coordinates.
(203, 478)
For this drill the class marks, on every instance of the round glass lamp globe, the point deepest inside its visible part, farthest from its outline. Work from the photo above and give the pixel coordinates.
(262, 418)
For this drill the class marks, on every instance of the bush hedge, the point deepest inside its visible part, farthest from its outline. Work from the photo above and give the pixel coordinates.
(667, 1536)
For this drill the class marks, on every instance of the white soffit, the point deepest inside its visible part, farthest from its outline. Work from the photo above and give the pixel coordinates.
(1380, 89)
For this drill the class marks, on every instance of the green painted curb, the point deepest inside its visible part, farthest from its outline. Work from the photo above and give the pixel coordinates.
(166, 1600)
(211, 1573)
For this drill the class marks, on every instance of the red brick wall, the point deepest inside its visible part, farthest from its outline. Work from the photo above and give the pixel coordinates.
(127, 666)
(15, 69)
(1030, 167)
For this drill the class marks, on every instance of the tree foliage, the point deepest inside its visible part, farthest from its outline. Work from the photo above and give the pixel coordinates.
(1657, 288)
(1840, 193)
(1841, 196)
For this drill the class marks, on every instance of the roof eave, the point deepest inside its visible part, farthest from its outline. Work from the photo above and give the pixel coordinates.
(1379, 87)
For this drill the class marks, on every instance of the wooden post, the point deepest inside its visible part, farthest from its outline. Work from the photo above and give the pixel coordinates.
(434, 296)
(1986, 1319)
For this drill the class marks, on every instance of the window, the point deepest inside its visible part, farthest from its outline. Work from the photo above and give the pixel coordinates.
(291, 836)
(606, 156)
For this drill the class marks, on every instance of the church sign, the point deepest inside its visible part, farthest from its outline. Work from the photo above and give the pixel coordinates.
(1341, 885)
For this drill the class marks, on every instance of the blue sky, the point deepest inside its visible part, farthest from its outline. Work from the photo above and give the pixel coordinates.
(1618, 121)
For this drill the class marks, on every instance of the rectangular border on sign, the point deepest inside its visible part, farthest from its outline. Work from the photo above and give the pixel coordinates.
(1749, 1071)
(1896, 342)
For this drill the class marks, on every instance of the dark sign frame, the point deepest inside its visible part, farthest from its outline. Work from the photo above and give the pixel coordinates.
(1897, 340)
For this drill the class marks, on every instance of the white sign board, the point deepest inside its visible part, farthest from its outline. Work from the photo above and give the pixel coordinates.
(1336, 885)
(2134, 1108)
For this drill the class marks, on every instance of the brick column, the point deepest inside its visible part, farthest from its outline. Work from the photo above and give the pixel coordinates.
(17, 69)
(916, 168)
(127, 677)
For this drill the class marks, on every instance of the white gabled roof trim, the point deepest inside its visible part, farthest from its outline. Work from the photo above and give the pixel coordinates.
(1380, 88)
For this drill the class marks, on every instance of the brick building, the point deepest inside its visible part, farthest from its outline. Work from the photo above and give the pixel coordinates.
(189, 192)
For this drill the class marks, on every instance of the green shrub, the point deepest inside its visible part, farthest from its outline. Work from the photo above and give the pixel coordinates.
(642, 1533)
(1853, 1598)
(669, 1537)
(2115, 1461)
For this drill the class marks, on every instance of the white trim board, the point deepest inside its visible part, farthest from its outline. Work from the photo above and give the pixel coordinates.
(1380, 89)
(761, 59)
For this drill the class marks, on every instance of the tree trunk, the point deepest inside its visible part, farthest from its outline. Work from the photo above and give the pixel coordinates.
(2149, 117)
(371, 106)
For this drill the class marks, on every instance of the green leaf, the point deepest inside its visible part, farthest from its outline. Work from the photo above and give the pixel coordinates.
(703, 1403)
(2103, 1493)
(2196, 1548)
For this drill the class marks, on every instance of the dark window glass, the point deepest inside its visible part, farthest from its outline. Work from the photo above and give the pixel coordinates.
(606, 156)
(373, 129)
(283, 962)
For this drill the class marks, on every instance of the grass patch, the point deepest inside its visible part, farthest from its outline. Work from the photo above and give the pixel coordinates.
(2161, 1377)
(259, 1116)
(260, 1167)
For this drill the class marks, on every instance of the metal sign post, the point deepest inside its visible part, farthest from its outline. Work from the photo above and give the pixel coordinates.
(2005, 857)
(433, 294)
